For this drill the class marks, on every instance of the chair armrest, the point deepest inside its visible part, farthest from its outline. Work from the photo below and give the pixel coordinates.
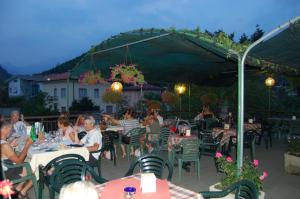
(24, 164)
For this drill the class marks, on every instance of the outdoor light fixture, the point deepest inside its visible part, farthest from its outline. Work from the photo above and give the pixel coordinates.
(180, 88)
(117, 86)
(270, 82)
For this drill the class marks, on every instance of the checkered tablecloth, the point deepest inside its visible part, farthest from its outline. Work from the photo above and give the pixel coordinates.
(175, 140)
(176, 192)
(232, 131)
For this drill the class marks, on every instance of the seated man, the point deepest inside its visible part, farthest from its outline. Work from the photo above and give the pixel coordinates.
(8, 155)
(92, 140)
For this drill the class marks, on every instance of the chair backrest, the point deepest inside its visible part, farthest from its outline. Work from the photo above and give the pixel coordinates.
(151, 163)
(219, 138)
(190, 149)
(164, 136)
(242, 189)
(135, 135)
(249, 137)
(69, 170)
(210, 123)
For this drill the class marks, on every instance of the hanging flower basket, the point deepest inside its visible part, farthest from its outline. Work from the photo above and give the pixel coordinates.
(91, 77)
(128, 74)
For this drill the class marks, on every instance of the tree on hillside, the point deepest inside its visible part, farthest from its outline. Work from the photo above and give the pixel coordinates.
(257, 34)
(244, 38)
(85, 104)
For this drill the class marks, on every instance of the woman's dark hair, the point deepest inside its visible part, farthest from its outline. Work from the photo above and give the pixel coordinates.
(131, 112)
(63, 121)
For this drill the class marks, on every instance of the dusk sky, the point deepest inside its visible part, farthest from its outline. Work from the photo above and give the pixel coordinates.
(35, 35)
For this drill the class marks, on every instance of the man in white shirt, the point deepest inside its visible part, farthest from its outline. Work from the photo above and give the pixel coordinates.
(92, 140)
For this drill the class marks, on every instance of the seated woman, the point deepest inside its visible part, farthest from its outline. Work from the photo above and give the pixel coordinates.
(129, 123)
(79, 125)
(64, 128)
(205, 113)
(8, 155)
(92, 140)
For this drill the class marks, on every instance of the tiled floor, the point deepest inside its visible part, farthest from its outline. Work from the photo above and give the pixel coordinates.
(277, 185)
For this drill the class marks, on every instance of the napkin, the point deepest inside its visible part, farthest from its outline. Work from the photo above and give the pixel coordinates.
(148, 182)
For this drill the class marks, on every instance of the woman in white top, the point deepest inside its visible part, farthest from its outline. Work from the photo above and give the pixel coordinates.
(8, 154)
(92, 140)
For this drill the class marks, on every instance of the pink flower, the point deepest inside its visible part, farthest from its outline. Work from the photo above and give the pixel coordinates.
(255, 163)
(265, 174)
(262, 177)
(6, 188)
(229, 159)
(218, 155)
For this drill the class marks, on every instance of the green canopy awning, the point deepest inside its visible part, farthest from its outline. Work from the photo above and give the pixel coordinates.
(281, 50)
(164, 56)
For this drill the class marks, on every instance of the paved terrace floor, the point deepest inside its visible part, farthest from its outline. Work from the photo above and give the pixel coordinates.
(278, 185)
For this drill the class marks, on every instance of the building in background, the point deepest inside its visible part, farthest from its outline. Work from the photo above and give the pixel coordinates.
(64, 89)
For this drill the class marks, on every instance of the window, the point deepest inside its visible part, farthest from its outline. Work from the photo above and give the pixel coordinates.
(109, 109)
(10, 90)
(55, 92)
(63, 92)
(82, 92)
(96, 93)
(63, 109)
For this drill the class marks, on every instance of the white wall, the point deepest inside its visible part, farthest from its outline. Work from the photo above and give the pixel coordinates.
(74, 87)
(14, 88)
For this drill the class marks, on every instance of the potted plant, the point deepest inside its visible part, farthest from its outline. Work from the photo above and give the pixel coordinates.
(292, 157)
(91, 77)
(250, 171)
(128, 74)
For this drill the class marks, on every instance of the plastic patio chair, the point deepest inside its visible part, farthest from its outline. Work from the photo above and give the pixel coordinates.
(29, 175)
(151, 163)
(210, 145)
(190, 153)
(135, 136)
(63, 170)
(249, 142)
(245, 189)
(107, 145)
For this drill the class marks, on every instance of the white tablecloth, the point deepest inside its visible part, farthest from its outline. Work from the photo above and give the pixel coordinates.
(40, 156)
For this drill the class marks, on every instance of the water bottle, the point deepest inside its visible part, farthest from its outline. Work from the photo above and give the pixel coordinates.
(33, 134)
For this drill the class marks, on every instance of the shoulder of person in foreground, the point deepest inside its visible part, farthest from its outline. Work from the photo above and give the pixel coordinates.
(79, 190)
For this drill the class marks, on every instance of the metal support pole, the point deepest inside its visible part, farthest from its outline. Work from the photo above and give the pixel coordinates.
(241, 89)
(240, 126)
(269, 107)
(180, 106)
(189, 100)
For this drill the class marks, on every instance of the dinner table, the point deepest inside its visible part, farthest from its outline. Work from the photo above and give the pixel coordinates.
(41, 153)
(164, 189)
(227, 133)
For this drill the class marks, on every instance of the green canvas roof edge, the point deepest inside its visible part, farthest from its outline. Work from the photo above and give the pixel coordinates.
(209, 44)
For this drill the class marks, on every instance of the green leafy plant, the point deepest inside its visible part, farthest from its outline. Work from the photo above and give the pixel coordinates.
(293, 147)
(110, 96)
(250, 171)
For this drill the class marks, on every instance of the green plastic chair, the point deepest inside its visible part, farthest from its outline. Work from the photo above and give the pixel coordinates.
(64, 170)
(249, 142)
(151, 163)
(29, 175)
(210, 123)
(242, 189)
(135, 135)
(190, 153)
